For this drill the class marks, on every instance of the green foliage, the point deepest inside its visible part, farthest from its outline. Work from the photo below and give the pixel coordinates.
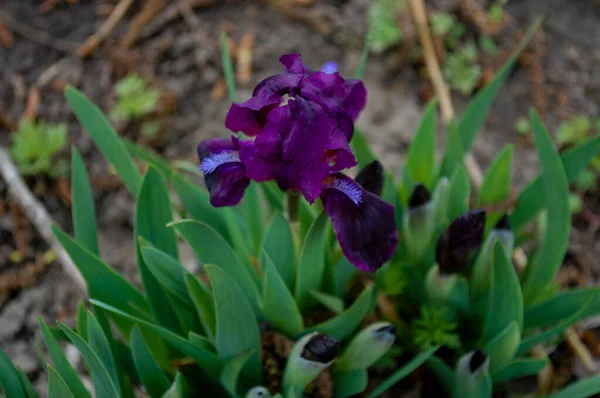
(383, 29)
(441, 22)
(36, 146)
(462, 69)
(435, 327)
(135, 99)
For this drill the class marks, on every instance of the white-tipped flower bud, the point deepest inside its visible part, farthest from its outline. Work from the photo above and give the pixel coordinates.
(367, 347)
(258, 392)
(472, 375)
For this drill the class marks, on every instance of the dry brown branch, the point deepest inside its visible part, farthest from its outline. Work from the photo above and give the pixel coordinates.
(245, 51)
(6, 37)
(33, 104)
(38, 216)
(171, 13)
(37, 36)
(105, 30)
(143, 18)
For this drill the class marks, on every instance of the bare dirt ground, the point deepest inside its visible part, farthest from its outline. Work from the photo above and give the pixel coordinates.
(184, 59)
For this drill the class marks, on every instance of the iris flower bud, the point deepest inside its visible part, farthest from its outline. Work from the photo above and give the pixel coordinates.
(419, 222)
(367, 347)
(258, 392)
(311, 355)
(371, 177)
(448, 289)
(472, 375)
(457, 246)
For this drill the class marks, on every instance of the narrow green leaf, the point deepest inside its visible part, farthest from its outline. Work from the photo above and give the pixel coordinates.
(278, 243)
(343, 272)
(502, 348)
(362, 62)
(204, 358)
(103, 384)
(197, 203)
(362, 150)
(273, 194)
(542, 270)
(402, 372)
(478, 109)
(278, 303)
(520, 367)
(105, 138)
(151, 375)
(179, 388)
(83, 210)
(344, 324)
(103, 282)
(204, 305)
(27, 385)
(561, 306)
(211, 248)
(455, 153)
(531, 199)
(100, 346)
(231, 372)
(57, 388)
(9, 378)
(420, 160)
(528, 342)
(227, 68)
(237, 328)
(497, 182)
(168, 272)
(444, 373)
(507, 299)
(252, 206)
(459, 193)
(348, 384)
(311, 265)
(580, 389)
(152, 215)
(82, 328)
(62, 364)
(149, 156)
(333, 303)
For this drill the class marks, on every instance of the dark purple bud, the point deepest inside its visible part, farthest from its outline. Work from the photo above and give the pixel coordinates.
(456, 247)
(503, 223)
(321, 348)
(371, 177)
(477, 359)
(419, 196)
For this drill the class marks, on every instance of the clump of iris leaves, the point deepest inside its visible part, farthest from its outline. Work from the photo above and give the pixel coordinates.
(459, 306)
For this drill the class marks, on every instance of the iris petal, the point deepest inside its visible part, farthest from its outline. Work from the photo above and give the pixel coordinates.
(291, 148)
(224, 173)
(364, 224)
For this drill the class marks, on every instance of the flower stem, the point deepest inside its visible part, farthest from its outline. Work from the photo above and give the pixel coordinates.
(293, 206)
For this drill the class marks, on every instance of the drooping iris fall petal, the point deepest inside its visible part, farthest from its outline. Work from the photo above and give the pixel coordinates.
(364, 224)
(224, 173)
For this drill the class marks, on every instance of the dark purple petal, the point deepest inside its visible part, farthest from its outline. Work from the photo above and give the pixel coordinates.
(364, 225)
(293, 63)
(355, 98)
(371, 177)
(224, 173)
(419, 196)
(339, 151)
(292, 148)
(458, 244)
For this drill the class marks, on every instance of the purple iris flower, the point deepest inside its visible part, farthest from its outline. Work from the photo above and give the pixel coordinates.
(302, 122)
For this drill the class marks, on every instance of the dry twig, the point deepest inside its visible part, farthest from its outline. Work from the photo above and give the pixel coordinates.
(37, 36)
(171, 13)
(105, 30)
(38, 215)
(244, 55)
(145, 16)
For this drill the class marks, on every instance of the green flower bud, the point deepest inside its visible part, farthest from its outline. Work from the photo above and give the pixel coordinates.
(311, 355)
(472, 376)
(419, 223)
(448, 289)
(258, 392)
(367, 347)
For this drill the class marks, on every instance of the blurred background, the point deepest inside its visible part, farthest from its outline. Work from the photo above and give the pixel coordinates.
(155, 67)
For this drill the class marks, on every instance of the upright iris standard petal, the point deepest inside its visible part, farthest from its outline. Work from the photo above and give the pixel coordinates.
(364, 224)
(224, 173)
(291, 149)
(249, 117)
